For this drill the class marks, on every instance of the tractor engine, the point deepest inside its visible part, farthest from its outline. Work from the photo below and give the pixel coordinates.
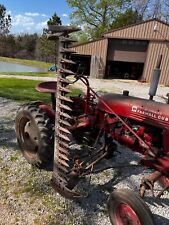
(149, 134)
(149, 120)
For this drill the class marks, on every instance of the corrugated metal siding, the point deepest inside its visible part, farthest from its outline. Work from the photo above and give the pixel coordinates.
(96, 48)
(154, 50)
(142, 31)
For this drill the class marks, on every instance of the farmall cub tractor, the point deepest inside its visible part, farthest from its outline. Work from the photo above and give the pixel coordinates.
(45, 133)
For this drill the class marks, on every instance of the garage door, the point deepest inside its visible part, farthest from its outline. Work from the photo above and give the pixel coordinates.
(127, 51)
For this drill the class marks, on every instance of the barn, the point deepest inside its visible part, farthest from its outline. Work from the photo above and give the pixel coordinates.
(129, 52)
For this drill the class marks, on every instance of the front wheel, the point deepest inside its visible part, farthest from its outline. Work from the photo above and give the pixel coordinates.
(127, 208)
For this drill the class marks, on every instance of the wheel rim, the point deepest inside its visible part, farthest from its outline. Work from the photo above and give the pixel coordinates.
(29, 136)
(125, 215)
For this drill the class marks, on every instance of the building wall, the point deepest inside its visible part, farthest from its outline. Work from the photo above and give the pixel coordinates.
(153, 31)
(143, 31)
(95, 48)
(154, 50)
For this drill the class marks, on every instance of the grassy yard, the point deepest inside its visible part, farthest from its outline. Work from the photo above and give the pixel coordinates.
(26, 62)
(24, 90)
(36, 74)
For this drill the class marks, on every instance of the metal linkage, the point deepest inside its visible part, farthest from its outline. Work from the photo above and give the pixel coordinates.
(62, 179)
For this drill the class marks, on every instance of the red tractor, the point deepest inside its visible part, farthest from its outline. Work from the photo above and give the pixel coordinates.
(45, 133)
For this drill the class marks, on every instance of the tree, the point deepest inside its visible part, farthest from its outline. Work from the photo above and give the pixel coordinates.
(127, 18)
(160, 9)
(46, 49)
(54, 20)
(152, 9)
(26, 45)
(5, 21)
(141, 7)
(8, 46)
(166, 11)
(96, 16)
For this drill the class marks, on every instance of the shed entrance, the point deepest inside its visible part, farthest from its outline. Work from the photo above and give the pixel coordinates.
(82, 64)
(126, 59)
(124, 70)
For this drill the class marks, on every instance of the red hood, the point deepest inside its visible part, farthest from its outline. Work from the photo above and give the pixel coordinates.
(151, 112)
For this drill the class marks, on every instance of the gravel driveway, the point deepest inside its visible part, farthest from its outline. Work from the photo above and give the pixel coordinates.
(26, 197)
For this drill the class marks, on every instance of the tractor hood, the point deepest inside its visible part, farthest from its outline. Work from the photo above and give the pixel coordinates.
(151, 112)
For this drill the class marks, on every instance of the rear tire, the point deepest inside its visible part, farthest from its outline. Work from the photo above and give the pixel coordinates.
(125, 207)
(35, 136)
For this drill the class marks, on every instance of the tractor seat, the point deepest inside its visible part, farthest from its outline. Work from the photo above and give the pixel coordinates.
(47, 87)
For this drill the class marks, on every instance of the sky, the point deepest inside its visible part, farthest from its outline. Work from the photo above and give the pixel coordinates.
(31, 16)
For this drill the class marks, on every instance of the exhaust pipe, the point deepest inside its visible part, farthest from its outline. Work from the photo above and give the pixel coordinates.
(155, 78)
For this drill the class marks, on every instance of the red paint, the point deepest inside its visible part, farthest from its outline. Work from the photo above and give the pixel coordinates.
(47, 87)
(124, 214)
(48, 109)
(138, 109)
(160, 164)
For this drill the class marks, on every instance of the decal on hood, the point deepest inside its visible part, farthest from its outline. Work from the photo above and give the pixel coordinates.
(149, 113)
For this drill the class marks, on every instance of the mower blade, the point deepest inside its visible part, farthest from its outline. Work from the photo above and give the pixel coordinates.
(64, 157)
(63, 168)
(63, 150)
(63, 136)
(64, 130)
(64, 81)
(67, 61)
(65, 107)
(67, 39)
(64, 144)
(64, 122)
(63, 190)
(63, 89)
(65, 115)
(62, 162)
(67, 99)
(67, 50)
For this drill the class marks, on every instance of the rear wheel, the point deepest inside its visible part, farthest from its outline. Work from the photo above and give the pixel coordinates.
(127, 208)
(34, 131)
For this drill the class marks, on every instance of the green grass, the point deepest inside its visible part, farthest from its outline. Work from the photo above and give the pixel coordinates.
(26, 62)
(24, 90)
(36, 74)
